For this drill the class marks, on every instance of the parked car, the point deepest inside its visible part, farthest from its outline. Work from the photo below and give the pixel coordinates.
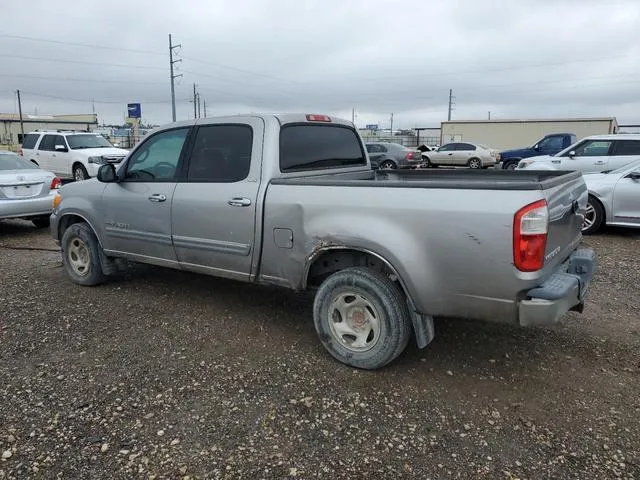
(387, 155)
(597, 153)
(614, 198)
(26, 191)
(547, 145)
(76, 155)
(460, 154)
(291, 200)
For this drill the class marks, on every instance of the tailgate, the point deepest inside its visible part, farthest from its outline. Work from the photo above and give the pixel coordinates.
(566, 199)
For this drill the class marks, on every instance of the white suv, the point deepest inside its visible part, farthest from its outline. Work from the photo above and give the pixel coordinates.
(598, 153)
(76, 155)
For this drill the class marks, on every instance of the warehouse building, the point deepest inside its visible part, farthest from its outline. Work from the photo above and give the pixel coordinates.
(505, 134)
(11, 130)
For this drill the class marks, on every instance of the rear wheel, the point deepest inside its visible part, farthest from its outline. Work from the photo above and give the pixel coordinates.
(593, 216)
(474, 163)
(362, 318)
(81, 255)
(388, 165)
(41, 222)
(79, 173)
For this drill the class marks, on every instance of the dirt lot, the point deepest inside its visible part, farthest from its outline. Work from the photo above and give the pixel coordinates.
(162, 374)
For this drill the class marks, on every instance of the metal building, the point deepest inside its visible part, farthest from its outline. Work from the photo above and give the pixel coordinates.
(505, 134)
(10, 129)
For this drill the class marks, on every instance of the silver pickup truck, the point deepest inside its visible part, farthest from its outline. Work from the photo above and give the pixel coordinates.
(291, 200)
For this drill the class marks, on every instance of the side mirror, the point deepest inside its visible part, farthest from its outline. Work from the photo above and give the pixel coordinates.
(117, 145)
(107, 173)
(61, 148)
(536, 148)
(634, 176)
(572, 153)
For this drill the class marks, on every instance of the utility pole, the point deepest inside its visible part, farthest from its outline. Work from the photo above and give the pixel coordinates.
(20, 110)
(353, 115)
(489, 115)
(195, 102)
(198, 104)
(172, 62)
(205, 107)
(451, 104)
(391, 128)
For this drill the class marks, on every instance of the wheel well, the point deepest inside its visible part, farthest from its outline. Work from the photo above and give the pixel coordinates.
(75, 164)
(604, 210)
(66, 222)
(332, 261)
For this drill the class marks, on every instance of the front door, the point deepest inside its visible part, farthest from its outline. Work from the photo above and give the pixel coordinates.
(626, 199)
(444, 155)
(588, 156)
(137, 209)
(214, 210)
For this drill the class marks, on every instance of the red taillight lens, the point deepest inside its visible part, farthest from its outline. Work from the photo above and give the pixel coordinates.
(410, 156)
(56, 183)
(318, 118)
(530, 229)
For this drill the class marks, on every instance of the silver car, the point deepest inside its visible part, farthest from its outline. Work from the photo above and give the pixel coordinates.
(26, 191)
(388, 156)
(614, 198)
(460, 154)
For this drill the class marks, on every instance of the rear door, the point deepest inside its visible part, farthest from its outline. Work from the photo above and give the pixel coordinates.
(44, 152)
(623, 152)
(626, 200)
(213, 219)
(375, 152)
(464, 151)
(59, 158)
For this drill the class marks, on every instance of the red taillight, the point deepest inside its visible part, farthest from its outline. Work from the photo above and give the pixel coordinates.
(410, 156)
(318, 118)
(530, 229)
(56, 183)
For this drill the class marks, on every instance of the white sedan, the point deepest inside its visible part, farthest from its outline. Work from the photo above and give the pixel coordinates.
(26, 191)
(459, 154)
(614, 198)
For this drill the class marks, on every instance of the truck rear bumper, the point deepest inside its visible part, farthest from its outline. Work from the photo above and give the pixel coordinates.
(565, 290)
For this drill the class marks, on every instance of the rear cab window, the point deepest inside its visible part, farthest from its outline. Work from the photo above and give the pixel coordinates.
(316, 147)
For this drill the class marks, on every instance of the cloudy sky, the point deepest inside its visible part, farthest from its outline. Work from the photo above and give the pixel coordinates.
(516, 59)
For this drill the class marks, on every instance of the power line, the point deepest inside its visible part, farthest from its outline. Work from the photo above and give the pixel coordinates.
(119, 102)
(79, 44)
(81, 62)
(86, 80)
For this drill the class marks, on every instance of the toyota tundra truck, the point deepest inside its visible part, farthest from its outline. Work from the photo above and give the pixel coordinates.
(291, 200)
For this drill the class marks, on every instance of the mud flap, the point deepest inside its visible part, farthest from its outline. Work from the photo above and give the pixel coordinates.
(423, 329)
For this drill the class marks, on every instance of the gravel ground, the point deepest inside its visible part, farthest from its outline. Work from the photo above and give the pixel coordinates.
(162, 374)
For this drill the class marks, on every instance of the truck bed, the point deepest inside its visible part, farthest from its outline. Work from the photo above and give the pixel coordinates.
(435, 178)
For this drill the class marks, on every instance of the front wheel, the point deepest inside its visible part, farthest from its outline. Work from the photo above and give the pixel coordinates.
(474, 163)
(362, 318)
(81, 255)
(593, 216)
(80, 173)
(511, 166)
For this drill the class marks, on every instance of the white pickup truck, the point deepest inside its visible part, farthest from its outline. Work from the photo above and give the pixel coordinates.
(291, 200)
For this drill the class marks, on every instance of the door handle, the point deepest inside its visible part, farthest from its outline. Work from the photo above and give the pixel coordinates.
(451, 154)
(239, 202)
(599, 162)
(157, 197)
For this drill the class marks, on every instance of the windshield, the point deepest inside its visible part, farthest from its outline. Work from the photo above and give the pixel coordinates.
(628, 166)
(77, 142)
(15, 162)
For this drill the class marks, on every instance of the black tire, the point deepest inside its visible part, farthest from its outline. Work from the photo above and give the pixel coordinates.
(41, 222)
(510, 165)
(76, 237)
(594, 216)
(426, 162)
(474, 163)
(388, 165)
(80, 173)
(385, 302)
